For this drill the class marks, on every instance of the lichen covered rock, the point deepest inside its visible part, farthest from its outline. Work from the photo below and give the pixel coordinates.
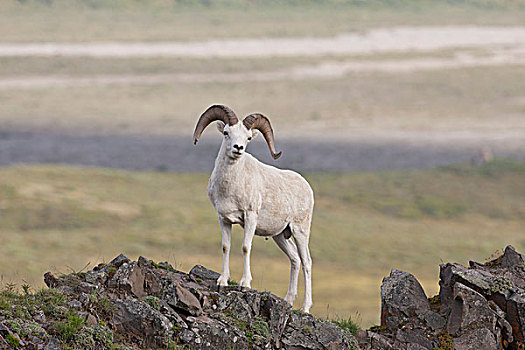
(147, 305)
(478, 307)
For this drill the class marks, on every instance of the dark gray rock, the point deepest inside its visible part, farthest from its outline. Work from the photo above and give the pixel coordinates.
(187, 301)
(117, 262)
(199, 271)
(88, 288)
(402, 299)
(413, 338)
(208, 333)
(516, 316)
(477, 279)
(512, 258)
(181, 299)
(434, 321)
(96, 277)
(170, 295)
(139, 321)
(487, 281)
(142, 304)
(75, 304)
(50, 280)
(414, 346)
(53, 344)
(303, 331)
(503, 324)
(129, 279)
(470, 311)
(3, 344)
(368, 340)
(479, 339)
(236, 302)
(4, 333)
(276, 311)
(480, 307)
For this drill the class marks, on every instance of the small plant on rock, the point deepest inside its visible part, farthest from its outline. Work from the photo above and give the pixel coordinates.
(446, 342)
(12, 341)
(67, 330)
(347, 325)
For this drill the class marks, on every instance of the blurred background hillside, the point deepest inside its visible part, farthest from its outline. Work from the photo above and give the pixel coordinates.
(407, 117)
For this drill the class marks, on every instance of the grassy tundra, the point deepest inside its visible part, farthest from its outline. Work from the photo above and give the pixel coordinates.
(62, 218)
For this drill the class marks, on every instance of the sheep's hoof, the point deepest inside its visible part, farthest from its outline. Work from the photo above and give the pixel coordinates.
(222, 281)
(246, 282)
(289, 300)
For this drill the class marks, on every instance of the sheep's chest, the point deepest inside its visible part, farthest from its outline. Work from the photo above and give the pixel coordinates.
(229, 201)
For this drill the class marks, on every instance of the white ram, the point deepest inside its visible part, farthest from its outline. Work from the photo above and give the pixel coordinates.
(264, 200)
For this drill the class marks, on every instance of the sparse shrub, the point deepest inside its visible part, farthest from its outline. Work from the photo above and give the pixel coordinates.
(26, 328)
(348, 326)
(67, 330)
(152, 301)
(4, 304)
(261, 327)
(25, 288)
(50, 300)
(12, 341)
(90, 337)
(446, 342)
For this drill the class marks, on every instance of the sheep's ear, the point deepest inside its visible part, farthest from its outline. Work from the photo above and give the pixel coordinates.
(255, 133)
(220, 126)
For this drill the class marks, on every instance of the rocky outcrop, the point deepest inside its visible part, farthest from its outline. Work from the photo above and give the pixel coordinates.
(146, 305)
(141, 304)
(478, 307)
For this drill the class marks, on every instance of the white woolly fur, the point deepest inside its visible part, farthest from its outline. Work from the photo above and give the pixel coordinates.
(265, 201)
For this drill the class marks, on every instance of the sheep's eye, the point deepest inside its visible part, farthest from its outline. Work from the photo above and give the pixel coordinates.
(249, 138)
(225, 133)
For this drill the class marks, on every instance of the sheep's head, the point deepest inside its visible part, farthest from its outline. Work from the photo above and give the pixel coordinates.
(236, 135)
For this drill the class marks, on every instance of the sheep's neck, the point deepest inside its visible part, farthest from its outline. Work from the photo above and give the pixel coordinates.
(227, 168)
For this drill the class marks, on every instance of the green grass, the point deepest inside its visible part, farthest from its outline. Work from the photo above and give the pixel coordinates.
(454, 213)
(127, 20)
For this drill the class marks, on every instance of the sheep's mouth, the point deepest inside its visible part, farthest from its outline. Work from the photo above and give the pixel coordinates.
(234, 155)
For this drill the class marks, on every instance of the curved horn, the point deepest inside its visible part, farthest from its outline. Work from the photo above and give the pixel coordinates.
(215, 112)
(260, 122)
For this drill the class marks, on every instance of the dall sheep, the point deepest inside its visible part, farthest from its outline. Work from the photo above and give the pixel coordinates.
(264, 200)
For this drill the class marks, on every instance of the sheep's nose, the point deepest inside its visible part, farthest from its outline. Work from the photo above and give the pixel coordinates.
(238, 147)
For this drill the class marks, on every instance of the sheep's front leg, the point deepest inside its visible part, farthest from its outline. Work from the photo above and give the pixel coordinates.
(226, 243)
(250, 223)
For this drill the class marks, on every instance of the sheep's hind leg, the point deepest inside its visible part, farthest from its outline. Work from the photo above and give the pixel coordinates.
(290, 249)
(302, 237)
(226, 243)
(250, 223)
